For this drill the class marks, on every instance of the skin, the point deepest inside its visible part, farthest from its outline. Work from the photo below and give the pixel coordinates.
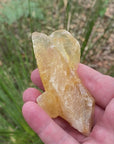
(58, 131)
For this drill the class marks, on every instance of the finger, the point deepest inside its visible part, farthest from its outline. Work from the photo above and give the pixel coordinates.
(35, 77)
(103, 132)
(44, 126)
(30, 94)
(98, 114)
(108, 117)
(99, 85)
(73, 132)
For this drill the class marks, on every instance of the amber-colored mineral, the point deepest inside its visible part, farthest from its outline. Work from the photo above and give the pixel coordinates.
(57, 57)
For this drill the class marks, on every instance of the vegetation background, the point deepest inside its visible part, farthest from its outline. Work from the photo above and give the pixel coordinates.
(90, 21)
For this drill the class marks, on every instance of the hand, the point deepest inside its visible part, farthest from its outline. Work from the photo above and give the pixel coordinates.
(58, 131)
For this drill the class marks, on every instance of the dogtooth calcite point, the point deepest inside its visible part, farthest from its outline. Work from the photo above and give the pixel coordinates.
(58, 56)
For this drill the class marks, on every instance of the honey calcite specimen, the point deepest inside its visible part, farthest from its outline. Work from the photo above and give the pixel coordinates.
(57, 57)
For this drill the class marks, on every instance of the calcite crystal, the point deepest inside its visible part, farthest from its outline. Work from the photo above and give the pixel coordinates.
(58, 56)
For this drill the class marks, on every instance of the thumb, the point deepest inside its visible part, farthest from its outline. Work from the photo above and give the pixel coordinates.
(100, 86)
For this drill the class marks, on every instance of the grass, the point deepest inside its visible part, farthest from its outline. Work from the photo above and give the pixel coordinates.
(18, 20)
(98, 6)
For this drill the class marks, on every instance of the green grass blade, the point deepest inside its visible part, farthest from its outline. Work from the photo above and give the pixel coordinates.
(98, 6)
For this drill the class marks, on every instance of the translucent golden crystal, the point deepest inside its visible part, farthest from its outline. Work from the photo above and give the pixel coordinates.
(57, 57)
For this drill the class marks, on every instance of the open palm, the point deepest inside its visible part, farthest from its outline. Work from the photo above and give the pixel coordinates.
(58, 131)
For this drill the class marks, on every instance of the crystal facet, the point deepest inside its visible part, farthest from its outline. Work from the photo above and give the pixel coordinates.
(58, 56)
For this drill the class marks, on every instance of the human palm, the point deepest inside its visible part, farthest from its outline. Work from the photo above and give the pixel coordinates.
(58, 131)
